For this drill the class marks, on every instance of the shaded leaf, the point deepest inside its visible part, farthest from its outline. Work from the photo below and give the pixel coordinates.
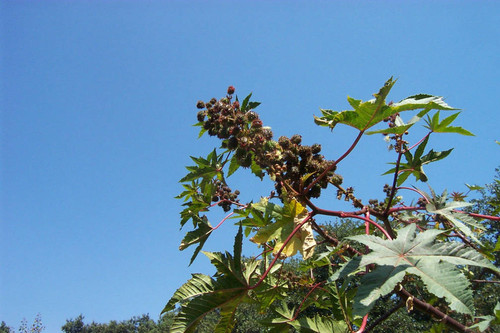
(461, 221)
(432, 261)
(233, 166)
(202, 294)
(197, 236)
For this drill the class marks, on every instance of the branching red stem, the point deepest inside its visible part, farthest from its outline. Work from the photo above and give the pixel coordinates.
(276, 257)
(414, 190)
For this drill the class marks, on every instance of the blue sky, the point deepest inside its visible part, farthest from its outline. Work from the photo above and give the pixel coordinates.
(98, 99)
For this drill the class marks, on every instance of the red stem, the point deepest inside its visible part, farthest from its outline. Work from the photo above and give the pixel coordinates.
(223, 220)
(352, 215)
(305, 298)
(277, 255)
(334, 164)
(416, 144)
(414, 190)
(481, 216)
(363, 325)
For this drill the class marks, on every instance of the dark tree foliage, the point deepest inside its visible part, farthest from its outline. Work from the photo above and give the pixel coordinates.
(142, 324)
(5, 329)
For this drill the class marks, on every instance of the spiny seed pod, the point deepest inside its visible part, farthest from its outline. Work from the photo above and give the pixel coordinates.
(316, 148)
(258, 139)
(267, 133)
(234, 130)
(201, 116)
(200, 105)
(223, 133)
(305, 151)
(257, 123)
(315, 191)
(336, 179)
(251, 115)
(240, 153)
(232, 143)
(230, 90)
(297, 139)
(247, 161)
(313, 166)
(243, 141)
(294, 171)
(284, 142)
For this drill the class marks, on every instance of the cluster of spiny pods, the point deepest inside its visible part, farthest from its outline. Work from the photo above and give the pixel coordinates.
(290, 163)
(224, 195)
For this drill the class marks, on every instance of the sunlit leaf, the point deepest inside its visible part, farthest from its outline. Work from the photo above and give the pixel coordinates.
(443, 126)
(367, 114)
(293, 214)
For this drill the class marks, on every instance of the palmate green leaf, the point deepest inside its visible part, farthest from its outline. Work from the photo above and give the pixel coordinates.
(202, 294)
(205, 168)
(247, 105)
(293, 213)
(319, 324)
(434, 262)
(422, 101)
(341, 298)
(435, 125)
(474, 187)
(461, 221)
(256, 169)
(233, 166)
(488, 321)
(497, 245)
(367, 114)
(401, 127)
(198, 236)
(414, 163)
(364, 115)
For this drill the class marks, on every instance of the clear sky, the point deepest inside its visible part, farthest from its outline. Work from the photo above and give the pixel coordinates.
(98, 99)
